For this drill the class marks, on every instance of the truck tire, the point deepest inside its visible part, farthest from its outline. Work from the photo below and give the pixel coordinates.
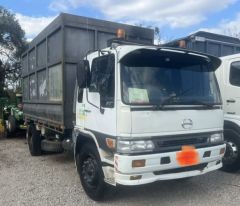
(231, 159)
(34, 140)
(90, 171)
(51, 146)
(11, 125)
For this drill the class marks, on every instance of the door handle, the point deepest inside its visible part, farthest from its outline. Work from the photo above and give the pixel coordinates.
(231, 112)
(231, 100)
(86, 110)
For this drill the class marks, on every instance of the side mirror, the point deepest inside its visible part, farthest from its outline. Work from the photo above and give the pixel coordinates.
(83, 74)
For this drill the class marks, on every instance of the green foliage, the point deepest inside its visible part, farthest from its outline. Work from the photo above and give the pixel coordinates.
(12, 44)
(157, 33)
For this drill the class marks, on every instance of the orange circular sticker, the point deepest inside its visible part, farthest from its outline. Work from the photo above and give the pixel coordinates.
(188, 156)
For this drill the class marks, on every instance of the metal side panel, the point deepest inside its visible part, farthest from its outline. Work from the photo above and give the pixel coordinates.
(49, 64)
(45, 113)
(70, 81)
(77, 43)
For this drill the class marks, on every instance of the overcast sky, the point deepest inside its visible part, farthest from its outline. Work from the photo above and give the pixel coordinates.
(175, 18)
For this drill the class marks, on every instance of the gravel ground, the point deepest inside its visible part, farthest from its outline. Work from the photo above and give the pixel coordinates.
(53, 180)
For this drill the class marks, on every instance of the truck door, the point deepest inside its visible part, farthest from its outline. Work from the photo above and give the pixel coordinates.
(100, 106)
(232, 88)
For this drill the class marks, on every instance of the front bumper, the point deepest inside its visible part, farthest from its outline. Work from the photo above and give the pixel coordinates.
(153, 171)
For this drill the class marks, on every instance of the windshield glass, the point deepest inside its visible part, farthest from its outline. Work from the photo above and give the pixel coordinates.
(174, 79)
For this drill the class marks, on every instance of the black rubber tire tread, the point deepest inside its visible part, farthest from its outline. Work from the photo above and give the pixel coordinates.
(96, 194)
(51, 146)
(11, 127)
(34, 140)
(233, 136)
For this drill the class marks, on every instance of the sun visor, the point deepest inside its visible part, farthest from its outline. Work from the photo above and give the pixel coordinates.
(168, 57)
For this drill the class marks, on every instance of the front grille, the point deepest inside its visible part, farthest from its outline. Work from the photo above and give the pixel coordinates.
(182, 169)
(173, 142)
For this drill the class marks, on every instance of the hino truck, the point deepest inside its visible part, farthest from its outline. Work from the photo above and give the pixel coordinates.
(228, 76)
(133, 113)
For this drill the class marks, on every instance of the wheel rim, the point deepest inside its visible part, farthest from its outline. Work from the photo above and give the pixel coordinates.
(231, 152)
(90, 172)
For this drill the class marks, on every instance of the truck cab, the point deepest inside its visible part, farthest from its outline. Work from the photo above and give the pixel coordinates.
(151, 113)
(228, 76)
(139, 113)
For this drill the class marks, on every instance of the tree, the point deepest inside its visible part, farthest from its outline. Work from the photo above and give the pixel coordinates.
(157, 36)
(12, 44)
(157, 33)
(233, 31)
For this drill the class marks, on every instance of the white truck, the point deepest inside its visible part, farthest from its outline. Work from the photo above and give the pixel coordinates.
(139, 113)
(228, 76)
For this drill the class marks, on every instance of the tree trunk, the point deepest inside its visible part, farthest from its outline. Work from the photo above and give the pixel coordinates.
(2, 77)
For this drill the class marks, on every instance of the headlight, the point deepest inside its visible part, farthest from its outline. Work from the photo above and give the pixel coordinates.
(134, 146)
(216, 138)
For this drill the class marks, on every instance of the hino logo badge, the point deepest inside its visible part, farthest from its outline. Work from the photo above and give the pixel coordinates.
(187, 123)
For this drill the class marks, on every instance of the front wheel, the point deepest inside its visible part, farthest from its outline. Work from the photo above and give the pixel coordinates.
(90, 171)
(231, 159)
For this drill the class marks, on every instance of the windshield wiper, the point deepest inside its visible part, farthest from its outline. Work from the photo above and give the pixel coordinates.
(201, 103)
(172, 96)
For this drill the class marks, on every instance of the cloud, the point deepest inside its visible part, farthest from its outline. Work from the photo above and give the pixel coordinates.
(33, 25)
(227, 27)
(174, 13)
(65, 5)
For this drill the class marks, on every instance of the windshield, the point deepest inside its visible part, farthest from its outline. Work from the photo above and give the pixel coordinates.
(168, 79)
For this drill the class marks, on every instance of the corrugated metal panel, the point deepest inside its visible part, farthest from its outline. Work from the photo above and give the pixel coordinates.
(215, 44)
(42, 84)
(31, 60)
(41, 54)
(83, 41)
(55, 47)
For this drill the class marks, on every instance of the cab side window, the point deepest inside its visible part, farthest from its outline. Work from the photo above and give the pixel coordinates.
(103, 79)
(235, 74)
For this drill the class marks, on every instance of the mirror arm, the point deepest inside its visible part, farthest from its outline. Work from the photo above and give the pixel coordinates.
(89, 101)
(102, 110)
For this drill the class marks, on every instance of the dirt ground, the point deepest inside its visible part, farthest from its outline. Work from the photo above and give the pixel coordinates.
(53, 180)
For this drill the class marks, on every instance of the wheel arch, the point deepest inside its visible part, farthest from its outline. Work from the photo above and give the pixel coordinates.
(229, 125)
(231, 162)
(83, 138)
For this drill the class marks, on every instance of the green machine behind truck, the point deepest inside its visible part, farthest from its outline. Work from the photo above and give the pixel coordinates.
(3, 101)
(11, 115)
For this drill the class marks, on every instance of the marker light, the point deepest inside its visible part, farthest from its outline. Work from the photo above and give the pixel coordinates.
(121, 34)
(111, 143)
(222, 151)
(138, 163)
(182, 44)
(136, 177)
